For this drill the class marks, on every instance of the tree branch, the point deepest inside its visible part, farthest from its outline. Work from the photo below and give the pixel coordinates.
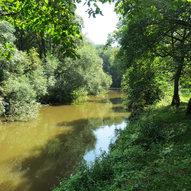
(179, 22)
(8, 14)
(174, 37)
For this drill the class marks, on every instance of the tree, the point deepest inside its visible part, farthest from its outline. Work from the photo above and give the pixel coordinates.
(156, 28)
(110, 64)
(37, 80)
(6, 40)
(22, 81)
(53, 18)
(79, 77)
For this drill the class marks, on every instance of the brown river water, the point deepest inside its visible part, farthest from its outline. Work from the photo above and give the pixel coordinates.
(35, 155)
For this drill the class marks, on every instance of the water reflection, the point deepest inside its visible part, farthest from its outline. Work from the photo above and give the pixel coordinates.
(34, 154)
(106, 136)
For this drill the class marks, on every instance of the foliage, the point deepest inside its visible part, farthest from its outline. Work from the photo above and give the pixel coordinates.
(110, 64)
(90, 177)
(56, 19)
(2, 106)
(162, 28)
(27, 39)
(6, 39)
(73, 76)
(50, 65)
(186, 73)
(91, 65)
(45, 80)
(53, 19)
(152, 152)
(39, 82)
(35, 73)
(20, 99)
(144, 83)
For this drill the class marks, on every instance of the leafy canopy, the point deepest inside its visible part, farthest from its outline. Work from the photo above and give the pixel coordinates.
(55, 18)
(47, 18)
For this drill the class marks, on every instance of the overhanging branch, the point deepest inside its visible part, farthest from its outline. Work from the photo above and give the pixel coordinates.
(8, 14)
(179, 22)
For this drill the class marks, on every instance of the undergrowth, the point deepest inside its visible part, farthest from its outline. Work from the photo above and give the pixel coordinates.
(151, 153)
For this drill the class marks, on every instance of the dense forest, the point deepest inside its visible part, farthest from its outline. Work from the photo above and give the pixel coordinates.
(46, 59)
(35, 68)
(153, 53)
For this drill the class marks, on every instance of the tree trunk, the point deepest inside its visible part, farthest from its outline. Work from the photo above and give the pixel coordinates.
(21, 43)
(43, 47)
(40, 50)
(188, 111)
(176, 98)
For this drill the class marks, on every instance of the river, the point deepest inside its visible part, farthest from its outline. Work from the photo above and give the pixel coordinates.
(35, 155)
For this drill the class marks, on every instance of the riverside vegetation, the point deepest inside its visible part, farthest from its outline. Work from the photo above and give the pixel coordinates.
(151, 153)
(26, 80)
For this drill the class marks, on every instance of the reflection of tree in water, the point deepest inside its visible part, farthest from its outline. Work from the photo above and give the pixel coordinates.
(59, 155)
(94, 123)
(57, 158)
(118, 109)
(111, 100)
(116, 106)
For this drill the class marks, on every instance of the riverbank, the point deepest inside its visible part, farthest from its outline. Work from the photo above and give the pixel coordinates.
(151, 153)
(35, 153)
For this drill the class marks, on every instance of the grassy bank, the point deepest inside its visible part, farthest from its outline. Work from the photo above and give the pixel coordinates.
(151, 153)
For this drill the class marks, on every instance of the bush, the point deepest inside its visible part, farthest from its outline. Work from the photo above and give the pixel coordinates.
(20, 98)
(144, 84)
(73, 76)
(25, 79)
(6, 39)
(39, 83)
(94, 177)
(2, 106)
(36, 75)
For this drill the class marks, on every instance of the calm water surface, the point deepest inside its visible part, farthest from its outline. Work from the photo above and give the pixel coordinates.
(35, 154)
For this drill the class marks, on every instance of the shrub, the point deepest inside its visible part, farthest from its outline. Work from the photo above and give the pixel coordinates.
(2, 106)
(6, 39)
(20, 98)
(35, 73)
(73, 76)
(145, 84)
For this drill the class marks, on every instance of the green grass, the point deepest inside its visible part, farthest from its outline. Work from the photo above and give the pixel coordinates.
(186, 92)
(151, 153)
